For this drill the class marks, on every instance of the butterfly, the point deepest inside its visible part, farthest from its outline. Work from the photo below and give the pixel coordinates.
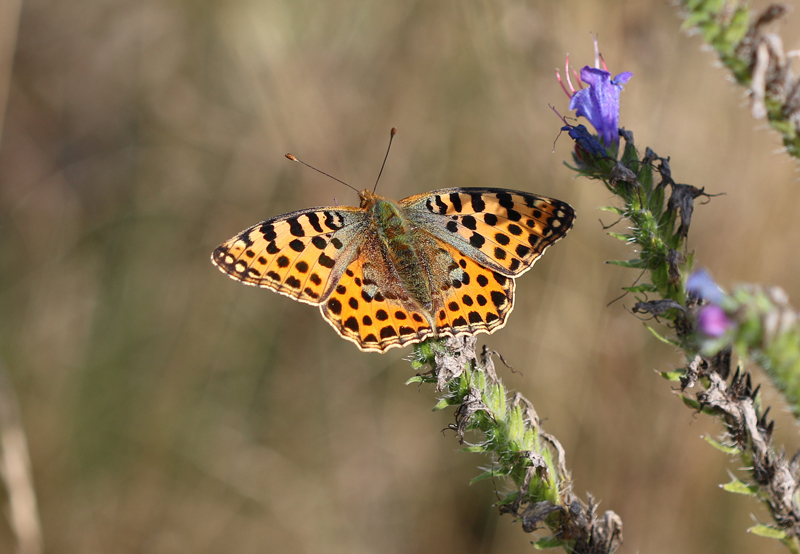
(388, 274)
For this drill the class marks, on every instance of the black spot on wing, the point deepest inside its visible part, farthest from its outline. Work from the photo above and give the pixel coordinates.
(313, 220)
(469, 222)
(351, 324)
(498, 299)
(459, 322)
(436, 206)
(326, 261)
(268, 230)
(334, 220)
(477, 240)
(335, 306)
(505, 200)
(295, 228)
(455, 199)
(478, 205)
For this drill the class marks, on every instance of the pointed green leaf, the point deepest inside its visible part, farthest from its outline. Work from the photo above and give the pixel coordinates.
(488, 475)
(739, 487)
(691, 402)
(482, 477)
(415, 379)
(621, 236)
(549, 542)
(636, 264)
(443, 403)
(673, 375)
(612, 209)
(647, 287)
(662, 339)
(721, 447)
(767, 531)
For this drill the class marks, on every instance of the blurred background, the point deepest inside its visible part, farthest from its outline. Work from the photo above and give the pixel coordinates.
(169, 409)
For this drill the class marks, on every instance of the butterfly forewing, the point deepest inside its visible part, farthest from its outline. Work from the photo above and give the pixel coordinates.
(502, 229)
(297, 254)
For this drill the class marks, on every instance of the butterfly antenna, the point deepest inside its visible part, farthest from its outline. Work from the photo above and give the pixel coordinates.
(391, 138)
(294, 159)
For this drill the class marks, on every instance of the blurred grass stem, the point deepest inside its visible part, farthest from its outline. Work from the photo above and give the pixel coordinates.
(9, 25)
(15, 470)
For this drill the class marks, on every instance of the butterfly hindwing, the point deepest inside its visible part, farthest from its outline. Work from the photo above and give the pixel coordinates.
(471, 298)
(296, 254)
(502, 229)
(369, 306)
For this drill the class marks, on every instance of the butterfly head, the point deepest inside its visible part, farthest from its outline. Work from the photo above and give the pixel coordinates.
(368, 199)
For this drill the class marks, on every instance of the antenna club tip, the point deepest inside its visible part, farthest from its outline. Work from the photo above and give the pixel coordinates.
(394, 131)
(291, 157)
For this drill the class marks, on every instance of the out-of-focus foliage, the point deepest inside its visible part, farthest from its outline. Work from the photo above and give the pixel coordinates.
(169, 409)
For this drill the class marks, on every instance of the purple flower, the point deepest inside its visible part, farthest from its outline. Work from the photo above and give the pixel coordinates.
(712, 321)
(703, 286)
(600, 102)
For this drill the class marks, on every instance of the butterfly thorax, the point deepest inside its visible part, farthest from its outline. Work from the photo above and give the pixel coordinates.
(396, 235)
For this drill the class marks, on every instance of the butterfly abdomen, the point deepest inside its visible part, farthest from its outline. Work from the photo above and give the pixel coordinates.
(395, 233)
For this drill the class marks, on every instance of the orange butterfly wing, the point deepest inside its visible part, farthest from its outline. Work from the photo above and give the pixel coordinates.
(469, 244)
